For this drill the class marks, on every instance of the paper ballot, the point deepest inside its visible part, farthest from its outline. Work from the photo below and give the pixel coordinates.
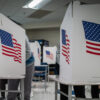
(49, 55)
(36, 50)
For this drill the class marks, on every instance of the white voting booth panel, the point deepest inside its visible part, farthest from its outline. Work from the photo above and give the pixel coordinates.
(49, 55)
(12, 49)
(36, 50)
(80, 44)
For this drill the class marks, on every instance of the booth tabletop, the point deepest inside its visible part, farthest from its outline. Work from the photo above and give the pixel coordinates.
(12, 77)
(57, 79)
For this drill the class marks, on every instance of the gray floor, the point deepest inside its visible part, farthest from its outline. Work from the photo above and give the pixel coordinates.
(39, 92)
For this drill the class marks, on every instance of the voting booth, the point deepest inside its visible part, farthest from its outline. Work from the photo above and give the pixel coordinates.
(49, 55)
(80, 44)
(12, 49)
(36, 50)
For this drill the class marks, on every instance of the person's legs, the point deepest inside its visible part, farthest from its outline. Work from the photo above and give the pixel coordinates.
(27, 81)
(12, 85)
(95, 91)
(63, 88)
(3, 87)
(79, 91)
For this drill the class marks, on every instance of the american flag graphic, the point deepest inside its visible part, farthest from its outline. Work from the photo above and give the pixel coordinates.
(92, 36)
(49, 55)
(65, 46)
(10, 47)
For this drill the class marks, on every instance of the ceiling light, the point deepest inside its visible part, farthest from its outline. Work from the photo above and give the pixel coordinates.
(36, 4)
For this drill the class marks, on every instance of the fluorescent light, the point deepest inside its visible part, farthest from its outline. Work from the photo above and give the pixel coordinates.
(34, 3)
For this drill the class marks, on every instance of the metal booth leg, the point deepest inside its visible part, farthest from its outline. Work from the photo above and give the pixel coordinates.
(22, 88)
(56, 89)
(69, 92)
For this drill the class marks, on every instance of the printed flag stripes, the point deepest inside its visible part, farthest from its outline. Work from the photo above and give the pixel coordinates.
(10, 47)
(92, 36)
(49, 55)
(65, 46)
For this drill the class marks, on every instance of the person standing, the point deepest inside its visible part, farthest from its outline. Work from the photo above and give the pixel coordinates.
(13, 84)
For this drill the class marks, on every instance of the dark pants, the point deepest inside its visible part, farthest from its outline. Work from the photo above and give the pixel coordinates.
(80, 91)
(95, 91)
(63, 88)
(13, 85)
(3, 83)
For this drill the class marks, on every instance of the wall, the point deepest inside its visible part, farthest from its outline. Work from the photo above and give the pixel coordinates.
(50, 34)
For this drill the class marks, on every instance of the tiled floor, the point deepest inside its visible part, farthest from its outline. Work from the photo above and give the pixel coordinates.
(39, 92)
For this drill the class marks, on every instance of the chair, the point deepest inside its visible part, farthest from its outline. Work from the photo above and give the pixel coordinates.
(41, 74)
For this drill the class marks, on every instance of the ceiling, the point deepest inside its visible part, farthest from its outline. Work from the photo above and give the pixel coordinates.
(53, 13)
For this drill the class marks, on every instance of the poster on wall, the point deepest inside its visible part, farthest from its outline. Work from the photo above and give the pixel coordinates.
(12, 49)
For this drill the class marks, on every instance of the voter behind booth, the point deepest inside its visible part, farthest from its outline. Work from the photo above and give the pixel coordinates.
(13, 84)
(79, 57)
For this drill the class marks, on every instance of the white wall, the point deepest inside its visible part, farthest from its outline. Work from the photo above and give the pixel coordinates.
(50, 34)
